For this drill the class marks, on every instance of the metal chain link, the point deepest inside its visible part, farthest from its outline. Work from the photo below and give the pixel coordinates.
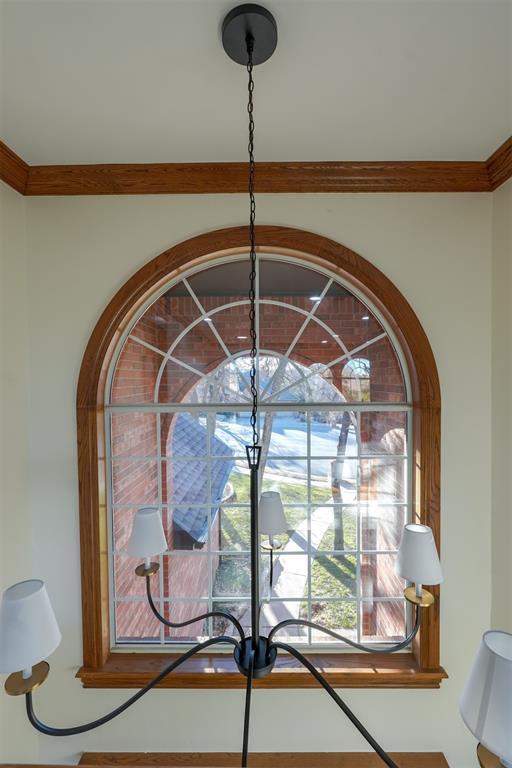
(252, 239)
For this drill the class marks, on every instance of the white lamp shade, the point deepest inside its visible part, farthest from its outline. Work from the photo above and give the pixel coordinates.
(486, 702)
(417, 559)
(271, 514)
(147, 536)
(29, 631)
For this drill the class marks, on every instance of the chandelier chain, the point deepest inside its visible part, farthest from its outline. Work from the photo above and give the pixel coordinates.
(252, 240)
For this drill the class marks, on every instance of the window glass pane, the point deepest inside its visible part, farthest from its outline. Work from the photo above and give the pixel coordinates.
(234, 529)
(379, 578)
(186, 527)
(382, 621)
(334, 528)
(314, 384)
(288, 437)
(134, 482)
(383, 480)
(188, 482)
(316, 344)
(136, 374)
(351, 323)
(200, 348)
(338, 615)
(222, 283)
(237, 488)
(293, 486)
(241, 611)
(167, 318)
(296, 283)
(386, 378)
(276, 611)
(381, 526)
(383, 433)
(233, 576)
(122, 521)
(176, 382)
(334, 480)
(224, 384)
(290, 575)
(334, 575)
(296, 537)
(187, 575)
(234, 327)
(231, 432)
(135, 622)
(178, 612)
(133, 434)
(333, 433)
(184, 435)
(279, 324)
(127, 583)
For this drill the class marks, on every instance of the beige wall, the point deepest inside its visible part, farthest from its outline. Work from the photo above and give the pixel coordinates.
(15, 527)
(437, 249)
(502, 408)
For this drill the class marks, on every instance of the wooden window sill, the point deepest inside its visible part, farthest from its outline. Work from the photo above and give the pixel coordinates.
(347, 670)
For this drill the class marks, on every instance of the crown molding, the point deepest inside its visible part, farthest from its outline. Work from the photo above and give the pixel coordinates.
(218, 178)
(499, 165)
(13, 170)
(228, 178)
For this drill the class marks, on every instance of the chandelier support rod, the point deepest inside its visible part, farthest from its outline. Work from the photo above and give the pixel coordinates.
(48, 730)
(255, 560)
(339, 701)
(247, 714)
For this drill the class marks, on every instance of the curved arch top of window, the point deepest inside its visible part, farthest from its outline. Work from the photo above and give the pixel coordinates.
(162, 402)
(197, 333)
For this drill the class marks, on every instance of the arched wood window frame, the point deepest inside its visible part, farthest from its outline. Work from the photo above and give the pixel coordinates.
(101, 668)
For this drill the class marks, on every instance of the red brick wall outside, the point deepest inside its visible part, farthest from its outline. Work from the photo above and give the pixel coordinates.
(136, 483)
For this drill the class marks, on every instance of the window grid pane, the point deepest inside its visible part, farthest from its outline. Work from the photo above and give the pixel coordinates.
(322, 582)
(342, 469)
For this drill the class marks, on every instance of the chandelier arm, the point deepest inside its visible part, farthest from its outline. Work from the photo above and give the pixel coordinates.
(247, 715)
(178, 624)
(50, 731)
(339, 701)
(359, 646)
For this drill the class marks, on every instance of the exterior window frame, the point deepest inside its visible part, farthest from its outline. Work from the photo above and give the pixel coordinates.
(106, 667)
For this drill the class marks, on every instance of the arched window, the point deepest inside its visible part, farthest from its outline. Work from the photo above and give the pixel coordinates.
(339, 428)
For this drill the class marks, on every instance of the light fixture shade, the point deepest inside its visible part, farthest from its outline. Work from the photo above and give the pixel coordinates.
(147, 537)
(486, 702)
(417, 559)
(271, 514)
(29, 632)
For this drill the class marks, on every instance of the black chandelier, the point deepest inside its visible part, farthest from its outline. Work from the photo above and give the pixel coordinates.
(28, 629)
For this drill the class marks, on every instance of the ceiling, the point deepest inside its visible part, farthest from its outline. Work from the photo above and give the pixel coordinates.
(113, 81)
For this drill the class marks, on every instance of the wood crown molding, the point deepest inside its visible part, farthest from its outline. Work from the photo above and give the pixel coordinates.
(262, 759)
(13, 170)
(228, 178)
(499, 165)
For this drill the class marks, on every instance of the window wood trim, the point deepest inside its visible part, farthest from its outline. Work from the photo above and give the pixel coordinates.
(101, 667)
